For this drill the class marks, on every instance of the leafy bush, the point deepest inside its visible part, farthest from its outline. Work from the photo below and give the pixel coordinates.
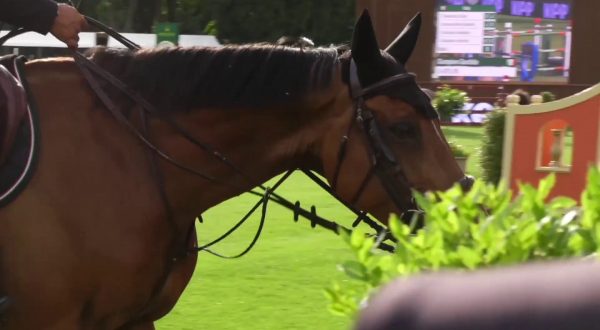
(547, 96)
(483, 227)
(211, 28)
(491, 149)
(449, 101)
(458, 150)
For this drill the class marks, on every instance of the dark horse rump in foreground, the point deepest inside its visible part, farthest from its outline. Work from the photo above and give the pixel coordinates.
(96, 241)
(559, 295)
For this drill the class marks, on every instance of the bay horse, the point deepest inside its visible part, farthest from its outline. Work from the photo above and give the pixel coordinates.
(99, 238)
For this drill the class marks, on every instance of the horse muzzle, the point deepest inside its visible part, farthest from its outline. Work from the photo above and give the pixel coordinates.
(466, 183)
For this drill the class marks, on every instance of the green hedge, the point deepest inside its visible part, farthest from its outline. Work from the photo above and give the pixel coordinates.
(491, 149)
(483, 227)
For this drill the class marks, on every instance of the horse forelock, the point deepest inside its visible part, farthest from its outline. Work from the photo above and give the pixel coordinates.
(247, 76)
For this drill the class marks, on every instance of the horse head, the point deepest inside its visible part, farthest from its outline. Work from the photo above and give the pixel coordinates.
(387, 140)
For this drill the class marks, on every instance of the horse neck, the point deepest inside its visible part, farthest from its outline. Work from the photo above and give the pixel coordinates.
(261, 144)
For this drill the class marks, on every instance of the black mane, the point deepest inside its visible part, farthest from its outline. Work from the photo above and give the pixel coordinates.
(249, 76)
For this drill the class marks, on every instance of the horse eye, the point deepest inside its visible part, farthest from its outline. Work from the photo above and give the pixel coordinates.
(403, 130)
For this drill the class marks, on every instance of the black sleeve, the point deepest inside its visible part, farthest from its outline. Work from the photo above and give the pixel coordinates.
(35, 15)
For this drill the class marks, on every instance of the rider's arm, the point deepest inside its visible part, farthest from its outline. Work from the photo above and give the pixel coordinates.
(44, 16)
(35, 15)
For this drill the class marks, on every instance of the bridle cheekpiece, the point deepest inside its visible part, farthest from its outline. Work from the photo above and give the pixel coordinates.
(384, 162)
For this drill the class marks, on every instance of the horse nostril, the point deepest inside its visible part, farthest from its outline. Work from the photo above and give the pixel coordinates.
(466, 182)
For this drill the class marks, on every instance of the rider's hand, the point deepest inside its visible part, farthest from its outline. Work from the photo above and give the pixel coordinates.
(67, 25)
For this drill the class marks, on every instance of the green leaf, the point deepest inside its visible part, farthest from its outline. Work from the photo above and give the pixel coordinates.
(451, 223)
(398, 229)
(422, 201)
(357, 239)
(469, 257)
(577, 244)
(562, 203)
(528, 234)
(375, 277)
(545, 187)
(597, 234)
(438, 257)
(355, 270)
(364, 253)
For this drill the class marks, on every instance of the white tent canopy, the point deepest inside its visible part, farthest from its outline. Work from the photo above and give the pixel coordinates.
(32, 39)
(88, 40)
(189, 40)
(145, 40)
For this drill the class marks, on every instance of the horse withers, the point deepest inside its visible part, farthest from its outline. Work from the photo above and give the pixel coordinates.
(100, 238)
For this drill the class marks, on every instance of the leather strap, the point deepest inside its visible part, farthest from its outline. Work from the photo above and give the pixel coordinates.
(384, 164)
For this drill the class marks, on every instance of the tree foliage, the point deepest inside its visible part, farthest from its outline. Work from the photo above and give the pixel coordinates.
(234, 21)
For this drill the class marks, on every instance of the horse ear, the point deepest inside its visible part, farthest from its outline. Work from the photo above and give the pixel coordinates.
(404, 44)
(364, 42)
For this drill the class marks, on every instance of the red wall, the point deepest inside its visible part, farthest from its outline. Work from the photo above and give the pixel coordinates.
(584, 118)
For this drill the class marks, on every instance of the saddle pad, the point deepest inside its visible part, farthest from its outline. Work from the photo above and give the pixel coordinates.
(19, 132)
(13, 106)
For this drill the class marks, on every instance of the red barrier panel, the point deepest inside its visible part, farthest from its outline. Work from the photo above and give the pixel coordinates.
(561, 137)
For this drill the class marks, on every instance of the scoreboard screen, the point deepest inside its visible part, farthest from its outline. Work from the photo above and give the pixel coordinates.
(503, 40)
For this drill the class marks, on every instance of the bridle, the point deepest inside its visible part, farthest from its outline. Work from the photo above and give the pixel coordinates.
(383, 160)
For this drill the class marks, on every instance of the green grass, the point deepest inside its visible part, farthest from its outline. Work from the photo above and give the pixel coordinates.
(279, 284)
(470, 138)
